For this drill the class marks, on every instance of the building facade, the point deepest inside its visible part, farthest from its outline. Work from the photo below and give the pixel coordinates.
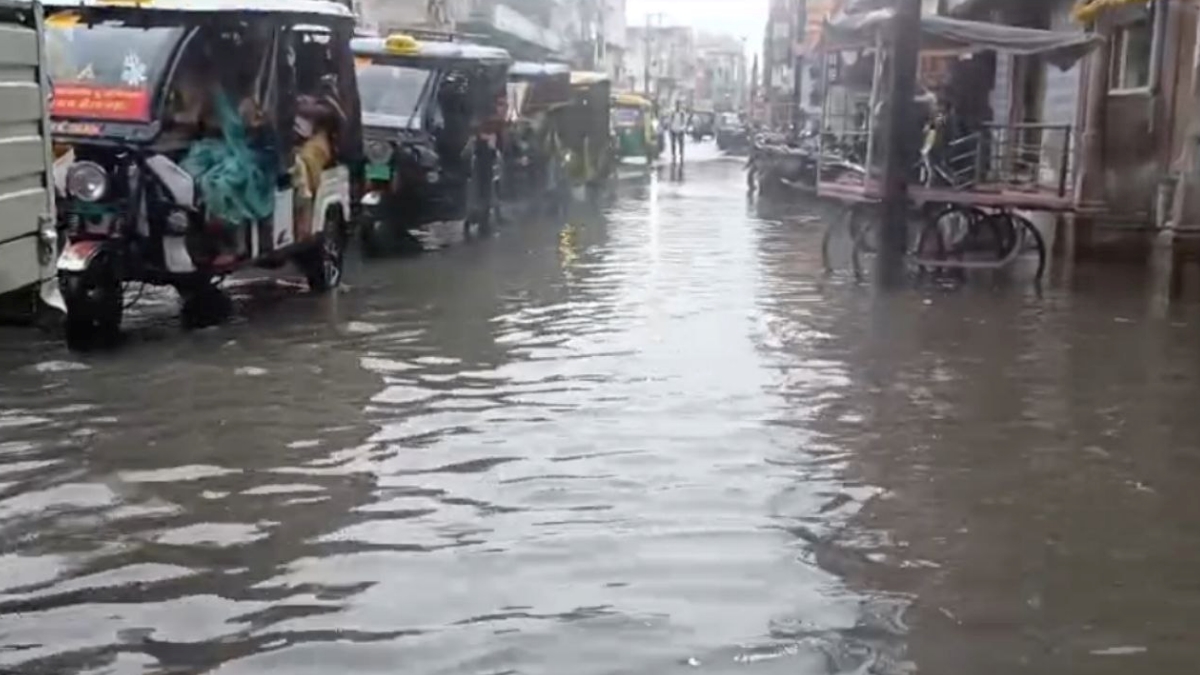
(614, 39)
(1133, 105)
(661, 62)
(785, 25)
(720, 73)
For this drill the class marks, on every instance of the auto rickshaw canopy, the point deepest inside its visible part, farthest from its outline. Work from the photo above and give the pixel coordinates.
(532, 70)
(313, 7)
(534, 87)
(587, 78)
(627, 100)
(400, 49)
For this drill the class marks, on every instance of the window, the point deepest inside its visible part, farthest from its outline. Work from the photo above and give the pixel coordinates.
(1132, 55)
(391, 94)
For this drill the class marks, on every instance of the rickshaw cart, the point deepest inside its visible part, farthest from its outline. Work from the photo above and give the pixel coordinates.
(969, 187)
(533, 153)
(197, 137)
(434, 116)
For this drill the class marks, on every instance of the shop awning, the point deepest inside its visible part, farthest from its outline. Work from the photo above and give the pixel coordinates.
(942, 33)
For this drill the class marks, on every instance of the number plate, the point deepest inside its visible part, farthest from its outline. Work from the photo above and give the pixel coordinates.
(379, 172)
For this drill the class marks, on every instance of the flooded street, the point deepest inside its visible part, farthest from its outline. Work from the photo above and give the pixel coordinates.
(655, 439)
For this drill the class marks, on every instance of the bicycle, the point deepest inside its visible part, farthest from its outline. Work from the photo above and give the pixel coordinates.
(945, 237)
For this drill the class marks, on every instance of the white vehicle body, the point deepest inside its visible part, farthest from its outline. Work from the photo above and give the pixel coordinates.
(27, 236)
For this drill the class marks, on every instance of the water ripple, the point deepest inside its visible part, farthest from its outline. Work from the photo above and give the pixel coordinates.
(654, 439)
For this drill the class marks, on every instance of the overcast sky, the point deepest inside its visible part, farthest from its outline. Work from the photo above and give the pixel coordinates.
(740, 18)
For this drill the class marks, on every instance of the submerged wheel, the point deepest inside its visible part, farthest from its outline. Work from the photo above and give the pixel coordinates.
(1023, 228)
(204, 305)
(942, 237)
(323, 264)
(865, 245)
(95, 305)
(370, 234)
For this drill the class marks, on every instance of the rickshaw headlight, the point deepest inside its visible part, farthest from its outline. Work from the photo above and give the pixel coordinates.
(87, 181)
(378, 152)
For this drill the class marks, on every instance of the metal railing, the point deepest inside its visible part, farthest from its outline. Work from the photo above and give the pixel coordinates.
(1031, 156)
(1027, 157)
(1021, 157)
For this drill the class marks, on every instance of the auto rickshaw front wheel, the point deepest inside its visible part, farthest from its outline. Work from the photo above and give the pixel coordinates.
(95, 305)
(322, 264)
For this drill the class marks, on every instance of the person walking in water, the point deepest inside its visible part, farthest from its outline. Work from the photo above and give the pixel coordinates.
(678, 125)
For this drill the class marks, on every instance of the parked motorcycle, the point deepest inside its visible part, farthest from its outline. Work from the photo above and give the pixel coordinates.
(780, 164)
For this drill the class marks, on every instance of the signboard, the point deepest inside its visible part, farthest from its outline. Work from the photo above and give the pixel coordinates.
(101, 103)
(935, 68)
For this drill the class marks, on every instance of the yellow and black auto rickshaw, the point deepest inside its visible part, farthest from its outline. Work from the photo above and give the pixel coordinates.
(433, 117)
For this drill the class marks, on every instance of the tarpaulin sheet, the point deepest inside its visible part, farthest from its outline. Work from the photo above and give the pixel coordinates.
(940, 32)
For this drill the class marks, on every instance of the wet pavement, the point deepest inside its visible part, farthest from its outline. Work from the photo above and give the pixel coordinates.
(654, 439)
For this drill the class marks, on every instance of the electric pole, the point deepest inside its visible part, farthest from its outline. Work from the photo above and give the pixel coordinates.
(901, 141)
(647, 50)
(798, 34)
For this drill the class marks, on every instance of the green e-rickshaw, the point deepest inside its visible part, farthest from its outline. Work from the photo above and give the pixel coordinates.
(636, 127)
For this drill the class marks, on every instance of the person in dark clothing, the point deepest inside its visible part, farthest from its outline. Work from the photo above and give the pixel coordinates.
(677, 125)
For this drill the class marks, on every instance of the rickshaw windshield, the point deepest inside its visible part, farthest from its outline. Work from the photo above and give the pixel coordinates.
(390, 95)
(627, 117)
(108, 70)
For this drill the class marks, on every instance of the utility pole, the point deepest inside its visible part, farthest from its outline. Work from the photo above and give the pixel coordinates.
(901, 148)
(752, 101)
(599, 54)
(801, 18)
(646, 59)
(646, 51)
(437, 14)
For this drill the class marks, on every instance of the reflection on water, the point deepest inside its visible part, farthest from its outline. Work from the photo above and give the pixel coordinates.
(655, 438)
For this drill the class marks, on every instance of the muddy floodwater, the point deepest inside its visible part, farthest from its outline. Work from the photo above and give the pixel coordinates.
(656, 438)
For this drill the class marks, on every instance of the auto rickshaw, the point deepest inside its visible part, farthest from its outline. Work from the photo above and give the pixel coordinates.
(198, 137)
(704, 125)
(534, 155)
(587, 128)
(433, 114)
(636, 127)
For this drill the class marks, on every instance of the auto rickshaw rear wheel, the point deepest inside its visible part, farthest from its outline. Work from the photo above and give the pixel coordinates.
(322, 265)
(95, 304)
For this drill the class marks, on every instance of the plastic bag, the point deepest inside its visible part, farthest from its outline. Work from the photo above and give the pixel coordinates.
(232, 178)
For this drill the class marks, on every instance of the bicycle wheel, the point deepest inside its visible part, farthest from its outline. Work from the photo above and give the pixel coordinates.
(839, 232)
(865, 243)
(941, 236)
(1036, 242)
(995, 235)
(868, 241)
(931, 243)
